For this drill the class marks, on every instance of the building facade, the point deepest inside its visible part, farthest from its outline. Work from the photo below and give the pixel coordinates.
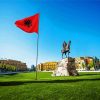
(18, 65)
(81, 63)
(47, 66)
(84, 63)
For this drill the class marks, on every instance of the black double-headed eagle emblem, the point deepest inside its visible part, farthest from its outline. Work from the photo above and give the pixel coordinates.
(28, 23)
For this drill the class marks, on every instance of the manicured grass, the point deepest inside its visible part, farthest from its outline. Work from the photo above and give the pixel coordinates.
(23, 86)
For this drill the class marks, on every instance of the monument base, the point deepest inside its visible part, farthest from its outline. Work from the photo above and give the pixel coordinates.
(66, 67)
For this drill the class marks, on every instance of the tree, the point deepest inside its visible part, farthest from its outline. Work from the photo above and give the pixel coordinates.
(33, 68)
(96, 63)
(83, 65)
(91, 64)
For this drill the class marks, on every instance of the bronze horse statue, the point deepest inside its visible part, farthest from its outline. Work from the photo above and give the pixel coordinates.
(66, 48)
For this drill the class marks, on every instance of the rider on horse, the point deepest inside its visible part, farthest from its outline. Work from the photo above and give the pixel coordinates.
(66, 48)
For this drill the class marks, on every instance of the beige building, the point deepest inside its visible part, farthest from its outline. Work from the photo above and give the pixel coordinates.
(82, 62)
(47, 66)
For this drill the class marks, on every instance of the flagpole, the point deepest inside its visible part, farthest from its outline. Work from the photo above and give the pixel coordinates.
(37, 53)
(37, 57)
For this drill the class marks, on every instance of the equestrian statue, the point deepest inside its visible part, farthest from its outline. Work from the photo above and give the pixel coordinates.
(66, 48)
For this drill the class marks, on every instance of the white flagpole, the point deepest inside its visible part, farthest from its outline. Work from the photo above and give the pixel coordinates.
(37, 52)
(37, 57)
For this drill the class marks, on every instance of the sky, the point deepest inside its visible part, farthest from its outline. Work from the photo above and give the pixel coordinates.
(60, 20)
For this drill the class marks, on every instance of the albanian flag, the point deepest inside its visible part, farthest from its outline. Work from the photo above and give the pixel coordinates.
(29, 24)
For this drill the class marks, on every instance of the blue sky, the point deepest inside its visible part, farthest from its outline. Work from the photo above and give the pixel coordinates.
(75, 20)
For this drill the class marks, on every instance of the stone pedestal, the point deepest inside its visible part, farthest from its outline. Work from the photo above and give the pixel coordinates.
(66, 67)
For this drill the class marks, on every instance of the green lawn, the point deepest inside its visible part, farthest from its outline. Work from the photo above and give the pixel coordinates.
(23, 86)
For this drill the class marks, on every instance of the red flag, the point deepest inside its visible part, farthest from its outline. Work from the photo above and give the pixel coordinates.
(29, 24)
